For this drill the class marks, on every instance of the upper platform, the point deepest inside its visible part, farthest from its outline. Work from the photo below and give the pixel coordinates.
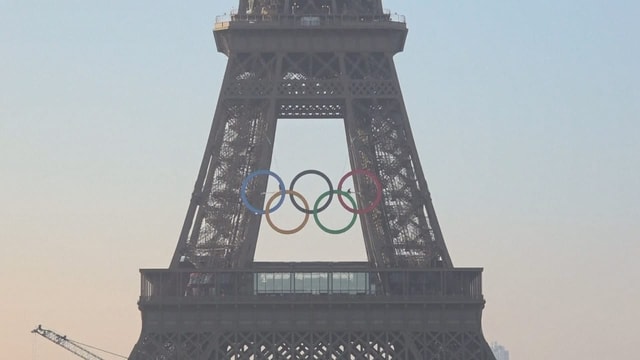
(311, 283)
(337, 25)
(309, 21)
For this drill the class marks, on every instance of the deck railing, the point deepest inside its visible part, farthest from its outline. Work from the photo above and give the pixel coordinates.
(306, 20)
(306, 284)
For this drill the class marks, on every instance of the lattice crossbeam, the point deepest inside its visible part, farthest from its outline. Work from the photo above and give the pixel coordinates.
(308, 345)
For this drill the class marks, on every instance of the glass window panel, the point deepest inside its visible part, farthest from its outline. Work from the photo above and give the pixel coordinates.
(303, 283)
(319, 283)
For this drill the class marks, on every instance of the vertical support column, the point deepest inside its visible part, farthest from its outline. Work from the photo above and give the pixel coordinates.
(265, 155)
(443, 257)
(403, 230)
(219, 230)
(359, 158)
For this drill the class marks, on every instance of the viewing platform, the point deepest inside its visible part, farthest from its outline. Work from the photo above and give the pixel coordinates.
(332, 32)
(309, 21)
(299, 283)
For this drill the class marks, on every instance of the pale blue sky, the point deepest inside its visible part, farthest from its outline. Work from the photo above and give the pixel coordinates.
(525, 114)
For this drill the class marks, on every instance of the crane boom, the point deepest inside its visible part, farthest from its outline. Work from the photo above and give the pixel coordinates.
(68, 344)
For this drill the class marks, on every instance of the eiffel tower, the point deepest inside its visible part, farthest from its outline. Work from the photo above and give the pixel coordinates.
(311, 59)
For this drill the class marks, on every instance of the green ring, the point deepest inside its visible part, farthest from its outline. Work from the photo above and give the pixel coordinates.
(326, 229)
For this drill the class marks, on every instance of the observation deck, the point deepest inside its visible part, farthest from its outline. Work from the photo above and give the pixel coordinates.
(302, 21)
(331, 32)
(311, 283)
(334, 307)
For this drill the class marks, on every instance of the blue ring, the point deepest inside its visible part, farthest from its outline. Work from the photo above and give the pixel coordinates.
(245, 184)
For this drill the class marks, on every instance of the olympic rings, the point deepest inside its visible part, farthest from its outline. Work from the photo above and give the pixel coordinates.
(324, 228)
(282, 193)
(315, 210)
(306, 215)
(245, 183)
(375, 202)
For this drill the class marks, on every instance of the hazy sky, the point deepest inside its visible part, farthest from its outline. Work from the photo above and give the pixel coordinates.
(525, 114)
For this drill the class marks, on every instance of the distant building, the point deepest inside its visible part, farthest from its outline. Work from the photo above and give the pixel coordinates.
(499, 351)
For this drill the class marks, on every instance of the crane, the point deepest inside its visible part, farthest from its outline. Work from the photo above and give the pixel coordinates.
(73, 346)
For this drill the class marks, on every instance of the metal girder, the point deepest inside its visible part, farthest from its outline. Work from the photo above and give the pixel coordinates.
(74, 347)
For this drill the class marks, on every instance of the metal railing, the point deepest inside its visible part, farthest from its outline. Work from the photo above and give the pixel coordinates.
(306, 20)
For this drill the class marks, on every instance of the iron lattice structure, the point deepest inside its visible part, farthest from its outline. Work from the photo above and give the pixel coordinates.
(311, 59)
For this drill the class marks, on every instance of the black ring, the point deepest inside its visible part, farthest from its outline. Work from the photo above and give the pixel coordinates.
(322, 175)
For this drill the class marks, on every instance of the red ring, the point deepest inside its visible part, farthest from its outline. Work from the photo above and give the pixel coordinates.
(376, 181)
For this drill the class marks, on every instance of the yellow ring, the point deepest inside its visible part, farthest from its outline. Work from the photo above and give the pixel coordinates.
(306, 214)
